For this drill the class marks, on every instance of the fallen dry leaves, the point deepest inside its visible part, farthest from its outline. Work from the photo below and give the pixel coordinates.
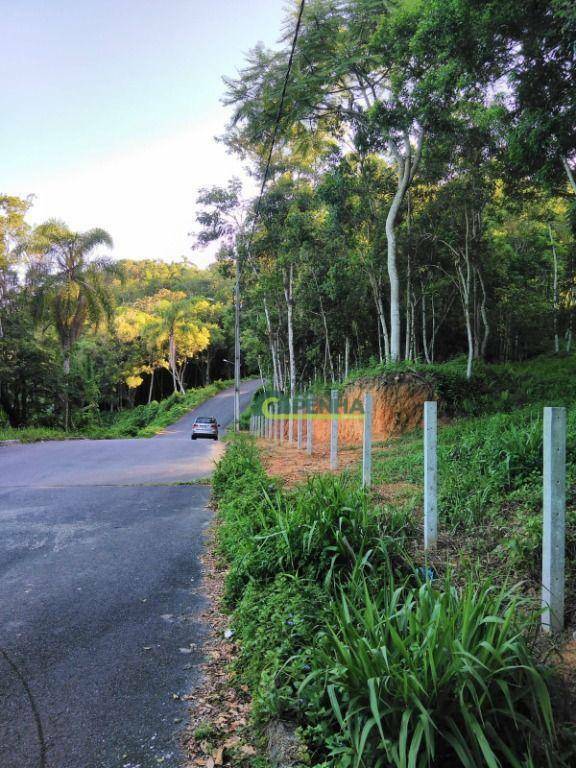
(217, 734)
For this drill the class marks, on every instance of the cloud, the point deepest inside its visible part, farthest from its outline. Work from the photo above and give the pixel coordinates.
(144, 197)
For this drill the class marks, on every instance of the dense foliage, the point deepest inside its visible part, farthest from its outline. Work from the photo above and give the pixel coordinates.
(84, 337)
(379, 661)
(420, 196)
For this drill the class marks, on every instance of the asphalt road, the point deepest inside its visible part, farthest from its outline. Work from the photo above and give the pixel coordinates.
(99, 599)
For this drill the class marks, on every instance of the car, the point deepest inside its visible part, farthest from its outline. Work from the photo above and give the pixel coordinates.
(205, 426)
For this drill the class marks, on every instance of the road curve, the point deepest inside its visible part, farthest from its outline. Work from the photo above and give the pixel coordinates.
(99, 578)
(169, 457)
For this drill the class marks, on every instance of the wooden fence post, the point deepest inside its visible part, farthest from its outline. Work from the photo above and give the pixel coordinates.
(554, 508)
(334, 429)
(430, 475)
(367, 442)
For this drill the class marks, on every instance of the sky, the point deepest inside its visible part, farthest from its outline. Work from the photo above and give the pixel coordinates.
(109, 108)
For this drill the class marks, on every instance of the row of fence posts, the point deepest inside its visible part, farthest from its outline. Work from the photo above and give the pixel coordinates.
(554, 483)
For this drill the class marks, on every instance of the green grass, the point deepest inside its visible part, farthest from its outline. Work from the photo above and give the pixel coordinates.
(493, 388)
(142, 421)
(34, 434)
(489, 488)
(431, 675)
(342, 633)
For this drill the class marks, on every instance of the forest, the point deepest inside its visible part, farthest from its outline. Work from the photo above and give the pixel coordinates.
(416, 203)
(84, 337)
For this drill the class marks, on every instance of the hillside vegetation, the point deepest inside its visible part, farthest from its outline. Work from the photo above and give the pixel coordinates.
(379, 654)
(140, 421)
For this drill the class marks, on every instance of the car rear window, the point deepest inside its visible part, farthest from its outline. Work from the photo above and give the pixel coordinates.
(205, 421)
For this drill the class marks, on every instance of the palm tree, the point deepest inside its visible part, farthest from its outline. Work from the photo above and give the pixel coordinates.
(69, 285)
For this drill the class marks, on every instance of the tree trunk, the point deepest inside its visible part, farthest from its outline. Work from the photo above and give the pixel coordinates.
(569, 173)
(276, 374)
(408, 339)
(393, 276)
(484, 316)
(470, 337)
(555, 298)
(346, 357)
(463, 268)
(289, 295)
(172, 360)
(406, 169)
(328, 353)
(180, 371)
(381, 317)
(425, 329)
(66, 393)
(151, 388)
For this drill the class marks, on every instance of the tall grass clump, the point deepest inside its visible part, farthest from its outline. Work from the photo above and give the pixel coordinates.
(420, 676)
(315, 531)
(339, 634)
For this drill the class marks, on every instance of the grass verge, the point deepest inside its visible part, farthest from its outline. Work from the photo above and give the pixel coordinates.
(374, 659)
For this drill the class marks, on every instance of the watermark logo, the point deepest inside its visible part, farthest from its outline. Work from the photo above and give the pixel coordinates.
(277, 405)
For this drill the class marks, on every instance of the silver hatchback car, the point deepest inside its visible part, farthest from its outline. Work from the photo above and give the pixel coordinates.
(205, 426)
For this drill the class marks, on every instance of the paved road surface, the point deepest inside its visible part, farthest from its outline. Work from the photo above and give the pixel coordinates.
(98, 603)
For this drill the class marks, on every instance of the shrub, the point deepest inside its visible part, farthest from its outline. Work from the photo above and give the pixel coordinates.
(275, 624)
(412, 677)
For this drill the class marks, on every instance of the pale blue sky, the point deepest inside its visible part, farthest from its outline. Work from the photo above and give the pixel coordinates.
(121, 95)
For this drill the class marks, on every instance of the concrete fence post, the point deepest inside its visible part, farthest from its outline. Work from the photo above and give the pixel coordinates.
(334, 429)
(430, 475)
(277, 422)
(291, 421)
(309, 426)
(367, 443)
(299, 425)
(281, 423)
(554, 508)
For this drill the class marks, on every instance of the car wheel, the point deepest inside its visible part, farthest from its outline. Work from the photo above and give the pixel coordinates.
(193, 437)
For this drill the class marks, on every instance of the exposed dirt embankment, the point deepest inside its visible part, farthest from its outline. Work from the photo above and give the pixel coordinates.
(397, 407)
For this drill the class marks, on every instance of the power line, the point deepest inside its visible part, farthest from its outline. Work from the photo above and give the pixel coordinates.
(278, 116)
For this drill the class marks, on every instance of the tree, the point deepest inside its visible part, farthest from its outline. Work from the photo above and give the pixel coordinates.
(13, 228)
(69, 284)
(171, 328)
(365, 70)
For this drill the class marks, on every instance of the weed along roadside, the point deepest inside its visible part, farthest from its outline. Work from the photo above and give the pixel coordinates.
(364, 648)
(142, 421)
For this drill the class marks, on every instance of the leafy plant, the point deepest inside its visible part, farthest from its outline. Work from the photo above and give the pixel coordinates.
(432, 675)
